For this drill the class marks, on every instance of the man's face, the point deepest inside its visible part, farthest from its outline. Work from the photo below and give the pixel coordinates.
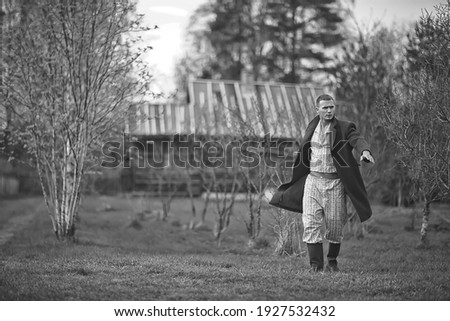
(326, 110)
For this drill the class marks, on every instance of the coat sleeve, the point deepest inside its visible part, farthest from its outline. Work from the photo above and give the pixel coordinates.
(356, 140)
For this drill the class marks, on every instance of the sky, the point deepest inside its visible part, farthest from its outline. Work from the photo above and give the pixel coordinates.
(172, 17)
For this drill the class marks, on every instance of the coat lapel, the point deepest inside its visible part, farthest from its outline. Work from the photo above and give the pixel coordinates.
(310, 130)
(335, 131)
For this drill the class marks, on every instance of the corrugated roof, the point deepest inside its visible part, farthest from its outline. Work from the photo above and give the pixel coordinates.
(219, 107)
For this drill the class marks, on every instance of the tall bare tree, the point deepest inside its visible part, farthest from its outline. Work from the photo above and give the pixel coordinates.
(366, 67)
(417, 118)
(69, 79)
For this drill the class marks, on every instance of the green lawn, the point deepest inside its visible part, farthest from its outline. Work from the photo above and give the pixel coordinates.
(154, 260)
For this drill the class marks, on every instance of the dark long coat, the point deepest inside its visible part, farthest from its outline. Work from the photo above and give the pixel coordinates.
(345, 138)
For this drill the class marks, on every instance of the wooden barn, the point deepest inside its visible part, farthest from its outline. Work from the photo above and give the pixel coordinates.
(216, 109)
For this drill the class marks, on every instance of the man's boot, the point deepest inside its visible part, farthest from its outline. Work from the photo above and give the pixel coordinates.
(315, 251)
(333, 252)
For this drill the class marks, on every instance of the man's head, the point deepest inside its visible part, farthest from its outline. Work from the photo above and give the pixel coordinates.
(325, 107)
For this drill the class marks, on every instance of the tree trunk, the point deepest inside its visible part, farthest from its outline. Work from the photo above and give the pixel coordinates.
(400, 196)
(67, 199)
(205, 209)
(192, 224)
(424, 229)
(65, 229)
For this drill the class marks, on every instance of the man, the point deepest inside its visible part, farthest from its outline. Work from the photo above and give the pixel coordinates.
(324, 172)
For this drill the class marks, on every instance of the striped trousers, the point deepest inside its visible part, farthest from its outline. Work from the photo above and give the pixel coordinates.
(324, 200)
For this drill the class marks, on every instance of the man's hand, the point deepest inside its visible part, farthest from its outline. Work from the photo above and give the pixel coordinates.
(367, 157)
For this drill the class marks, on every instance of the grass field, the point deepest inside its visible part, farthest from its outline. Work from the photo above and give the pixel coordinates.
(114, 259)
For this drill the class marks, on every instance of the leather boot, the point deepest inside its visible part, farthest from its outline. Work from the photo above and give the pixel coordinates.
(315, 251)
(333, 252)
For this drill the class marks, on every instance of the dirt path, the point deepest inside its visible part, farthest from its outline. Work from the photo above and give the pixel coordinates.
(18, 222)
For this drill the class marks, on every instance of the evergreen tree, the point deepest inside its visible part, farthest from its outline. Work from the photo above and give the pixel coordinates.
(300, 32)
(229, 40)
(271, 40)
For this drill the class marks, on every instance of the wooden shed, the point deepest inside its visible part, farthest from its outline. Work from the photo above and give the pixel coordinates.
(215, 109)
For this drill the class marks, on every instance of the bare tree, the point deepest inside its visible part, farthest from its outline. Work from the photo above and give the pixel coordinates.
(168, 187)
(210, 159)
(69, 80)
(226, 183)
(256, 175)
(368, 63)
(417, 117)
(207, 188)
(197, 177)
(424, 138)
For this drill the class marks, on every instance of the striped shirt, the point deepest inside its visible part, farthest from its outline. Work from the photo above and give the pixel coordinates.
(321, 159)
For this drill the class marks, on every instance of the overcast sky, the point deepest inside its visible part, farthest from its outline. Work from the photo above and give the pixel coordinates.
(172, 17)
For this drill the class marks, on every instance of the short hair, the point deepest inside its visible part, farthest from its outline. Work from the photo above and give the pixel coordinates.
(323, 97)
